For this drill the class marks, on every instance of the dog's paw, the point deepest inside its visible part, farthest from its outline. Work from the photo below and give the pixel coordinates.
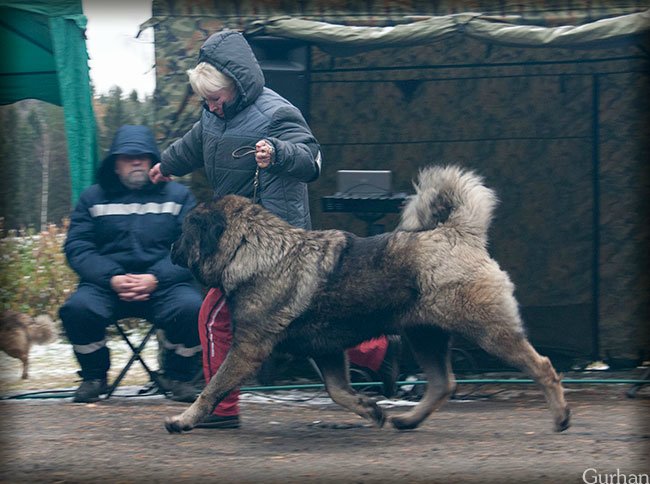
(403, 423)
(174, 425)
(565, 422)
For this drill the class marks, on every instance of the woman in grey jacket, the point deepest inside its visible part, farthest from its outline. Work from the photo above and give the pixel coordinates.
(245, 128)
(254, 143)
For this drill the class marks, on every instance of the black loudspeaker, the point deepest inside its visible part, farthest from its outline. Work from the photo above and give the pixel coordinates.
(285, 63)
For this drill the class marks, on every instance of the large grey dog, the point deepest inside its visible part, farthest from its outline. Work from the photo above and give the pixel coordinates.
(316, 293)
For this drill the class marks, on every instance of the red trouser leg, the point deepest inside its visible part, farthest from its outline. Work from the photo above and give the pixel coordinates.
(369, 354)
(216, 335)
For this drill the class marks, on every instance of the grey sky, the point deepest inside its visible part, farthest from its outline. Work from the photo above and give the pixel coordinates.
(117, 58)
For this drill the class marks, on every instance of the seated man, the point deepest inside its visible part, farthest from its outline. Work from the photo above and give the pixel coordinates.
(118, 243)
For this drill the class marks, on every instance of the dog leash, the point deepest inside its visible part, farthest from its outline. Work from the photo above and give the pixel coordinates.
(245, 151)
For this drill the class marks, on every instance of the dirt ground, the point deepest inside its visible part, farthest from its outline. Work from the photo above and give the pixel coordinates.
(504, 436)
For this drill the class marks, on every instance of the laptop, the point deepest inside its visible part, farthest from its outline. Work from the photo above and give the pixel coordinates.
(364, 183)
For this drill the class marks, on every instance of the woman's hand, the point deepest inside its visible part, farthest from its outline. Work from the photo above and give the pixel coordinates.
(156, 176)
(264, 153)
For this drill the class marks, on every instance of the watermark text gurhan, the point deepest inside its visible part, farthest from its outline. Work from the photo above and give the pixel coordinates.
(594, 476)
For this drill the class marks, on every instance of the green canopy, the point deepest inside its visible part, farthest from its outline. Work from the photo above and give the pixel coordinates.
(45, 58)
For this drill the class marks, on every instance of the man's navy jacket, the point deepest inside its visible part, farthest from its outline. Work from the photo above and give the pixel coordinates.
(115, 230)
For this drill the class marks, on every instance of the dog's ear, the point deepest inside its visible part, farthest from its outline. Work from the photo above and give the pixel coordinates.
(212, 226)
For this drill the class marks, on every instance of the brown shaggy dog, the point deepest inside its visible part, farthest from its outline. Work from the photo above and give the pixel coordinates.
(316, 293)
(18, 332)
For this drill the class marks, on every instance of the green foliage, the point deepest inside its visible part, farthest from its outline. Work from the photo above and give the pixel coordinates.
(115, 115)
(33, 135)
(34, 275)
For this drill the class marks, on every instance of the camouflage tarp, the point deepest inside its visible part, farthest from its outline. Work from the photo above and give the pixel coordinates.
(559, 133)
(349, 40)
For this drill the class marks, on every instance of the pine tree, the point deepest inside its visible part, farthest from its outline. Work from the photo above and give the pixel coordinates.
(115, 116)
(36, 186)
(9, 165)
(60, 192)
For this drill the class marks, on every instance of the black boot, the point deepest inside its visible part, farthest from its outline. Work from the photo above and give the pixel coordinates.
(178, 390)
(90, 390)
(219, 422)
(94, 368)
(181, 376)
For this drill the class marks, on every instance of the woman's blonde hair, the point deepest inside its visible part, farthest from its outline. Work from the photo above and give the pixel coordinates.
(206, 80)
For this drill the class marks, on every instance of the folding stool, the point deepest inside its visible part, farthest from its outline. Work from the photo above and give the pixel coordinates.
(136, 350)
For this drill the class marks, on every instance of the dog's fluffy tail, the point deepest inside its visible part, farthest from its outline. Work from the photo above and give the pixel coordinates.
(451, 197)
(41, 330)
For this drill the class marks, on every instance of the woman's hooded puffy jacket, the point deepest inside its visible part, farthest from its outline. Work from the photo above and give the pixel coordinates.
(256, 113)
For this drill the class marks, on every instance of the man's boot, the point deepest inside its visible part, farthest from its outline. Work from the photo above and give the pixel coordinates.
(94, 368)
(90, 390)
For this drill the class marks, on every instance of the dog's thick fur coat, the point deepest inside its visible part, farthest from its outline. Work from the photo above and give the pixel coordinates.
(317, 293)
(18, 332)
